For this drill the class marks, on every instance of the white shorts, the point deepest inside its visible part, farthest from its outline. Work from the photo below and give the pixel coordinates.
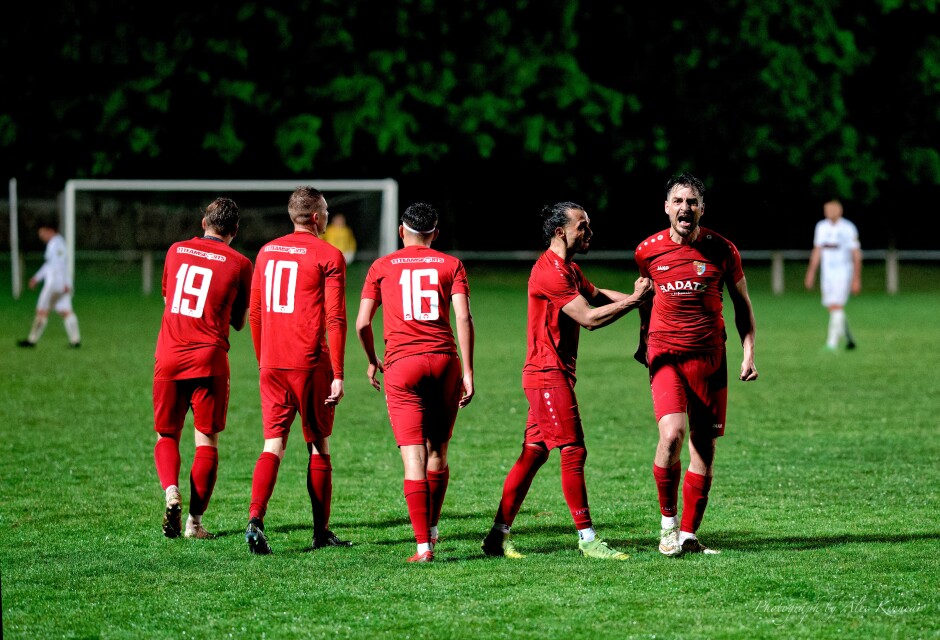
(835, 287)
(50, 297)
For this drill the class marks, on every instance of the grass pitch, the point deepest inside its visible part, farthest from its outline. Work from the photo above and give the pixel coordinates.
(824, 502)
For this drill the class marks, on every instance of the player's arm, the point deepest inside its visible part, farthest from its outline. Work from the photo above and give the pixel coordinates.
(746, 325)
(367, 309)
(581, 311)
(645, 310)
(242, 297)
(465, 339)
(857, 271)
(336, 338)
(254, 314)
(813, 265)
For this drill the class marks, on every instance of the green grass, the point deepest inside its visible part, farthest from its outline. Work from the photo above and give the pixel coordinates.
(824, 502)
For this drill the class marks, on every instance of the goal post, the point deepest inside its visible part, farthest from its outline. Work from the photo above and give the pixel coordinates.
(387, 188)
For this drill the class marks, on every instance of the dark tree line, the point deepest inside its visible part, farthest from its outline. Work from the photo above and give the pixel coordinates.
(490, 109)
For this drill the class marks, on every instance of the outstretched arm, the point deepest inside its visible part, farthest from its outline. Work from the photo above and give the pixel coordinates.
(592, 318)
(744, 321)
(465, 338)
(367, 309)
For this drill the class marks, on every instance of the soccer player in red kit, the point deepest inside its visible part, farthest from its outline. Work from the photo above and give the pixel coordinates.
(682, 341)
(298, 324)
(561, 301)
(206, 286)
(424, 380)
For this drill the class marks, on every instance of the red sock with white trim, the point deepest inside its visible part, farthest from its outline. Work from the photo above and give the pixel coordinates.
(518, 482)
(437, 485)
(667, 486)
(262, 484)
(166, 456)
(418, 498)
(202, 478)
(573, 486)
(694, 500)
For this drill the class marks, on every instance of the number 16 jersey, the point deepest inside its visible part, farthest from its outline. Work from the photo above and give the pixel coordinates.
(415, 285)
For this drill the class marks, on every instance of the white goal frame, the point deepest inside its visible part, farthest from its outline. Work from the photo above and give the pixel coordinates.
(388, 225)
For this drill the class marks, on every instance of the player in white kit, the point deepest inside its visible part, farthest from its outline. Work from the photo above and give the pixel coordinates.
(838, 255)
(56, 290)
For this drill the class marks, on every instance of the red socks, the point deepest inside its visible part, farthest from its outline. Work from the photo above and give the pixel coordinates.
(320, 488)
(262, 484)
(418, 498)
(694, 499)
(572, 484)
(667, 484)
(202, 478)
(518, 482)
(166, 455)
(437, 485)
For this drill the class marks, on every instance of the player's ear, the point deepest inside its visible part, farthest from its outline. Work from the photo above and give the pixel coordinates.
(437, 232)
(401, 232)
(203, 224)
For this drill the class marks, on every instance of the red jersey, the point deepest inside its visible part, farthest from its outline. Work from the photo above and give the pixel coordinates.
(298, 304)
(206, 283)
(552, 334)
(415, 285)
(688, 282)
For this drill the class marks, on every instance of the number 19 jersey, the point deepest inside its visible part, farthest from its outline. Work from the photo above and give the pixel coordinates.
(205, 284)
(415, 285)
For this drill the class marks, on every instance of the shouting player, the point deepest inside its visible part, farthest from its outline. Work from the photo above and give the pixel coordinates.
(206, 286)
(424, 381)
(298, 324)
(682, 341)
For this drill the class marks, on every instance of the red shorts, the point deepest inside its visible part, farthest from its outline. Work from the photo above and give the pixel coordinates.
(287, 392)
(422, 393)
(692, 383)
(553, 417)
(207, 396)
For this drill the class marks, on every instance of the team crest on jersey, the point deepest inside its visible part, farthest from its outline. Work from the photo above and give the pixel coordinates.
(699, 267)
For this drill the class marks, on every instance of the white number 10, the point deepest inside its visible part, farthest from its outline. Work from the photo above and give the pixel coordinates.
(185, 279)
(412, 293)
(273, 272)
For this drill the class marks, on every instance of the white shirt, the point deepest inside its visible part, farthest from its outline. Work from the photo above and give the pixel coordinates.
(55, 269)
(837, 242)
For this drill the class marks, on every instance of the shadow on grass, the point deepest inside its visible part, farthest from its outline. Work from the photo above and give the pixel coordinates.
(753, 542)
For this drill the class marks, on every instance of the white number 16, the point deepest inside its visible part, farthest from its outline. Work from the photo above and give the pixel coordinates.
(412, 294)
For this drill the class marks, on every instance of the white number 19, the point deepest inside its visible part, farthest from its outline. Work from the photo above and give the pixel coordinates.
(185, 280)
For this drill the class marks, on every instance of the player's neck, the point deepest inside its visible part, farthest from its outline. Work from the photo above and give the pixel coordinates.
(561, 251)
(311, 230)
(680, 239)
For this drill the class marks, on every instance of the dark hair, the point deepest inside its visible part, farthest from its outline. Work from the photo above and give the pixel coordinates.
(222, 216)
(421, 217)
(303, 203)
(50, 223)
(555, 216)
(686, 180)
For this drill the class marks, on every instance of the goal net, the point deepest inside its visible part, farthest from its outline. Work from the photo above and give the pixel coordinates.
(139, 219)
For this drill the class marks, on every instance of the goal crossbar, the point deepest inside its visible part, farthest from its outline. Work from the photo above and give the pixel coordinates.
(388, 232)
